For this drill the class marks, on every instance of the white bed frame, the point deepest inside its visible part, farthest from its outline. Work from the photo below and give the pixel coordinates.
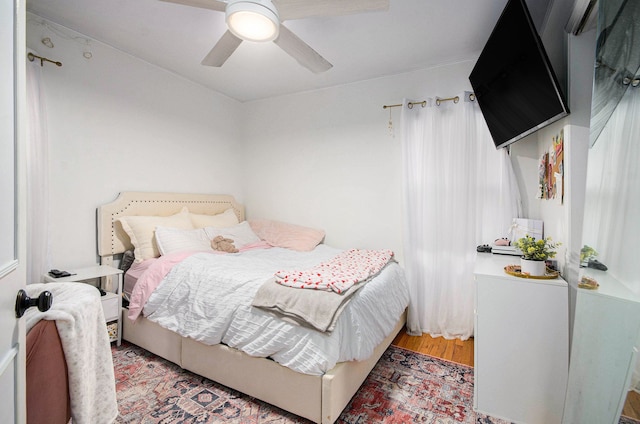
(318, 398)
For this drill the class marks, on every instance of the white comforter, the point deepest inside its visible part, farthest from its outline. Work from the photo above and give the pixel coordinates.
(208, 298)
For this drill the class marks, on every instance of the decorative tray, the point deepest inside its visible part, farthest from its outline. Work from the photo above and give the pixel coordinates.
(515, 271)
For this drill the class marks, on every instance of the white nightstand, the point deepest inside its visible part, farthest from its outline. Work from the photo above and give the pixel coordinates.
(111, 302)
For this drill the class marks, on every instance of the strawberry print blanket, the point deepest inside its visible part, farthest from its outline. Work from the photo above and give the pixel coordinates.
(339, 273)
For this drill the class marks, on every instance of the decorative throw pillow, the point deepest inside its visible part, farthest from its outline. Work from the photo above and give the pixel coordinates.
(227, 218)
(290, 236)
(171, 240)
(141, 231)
(241, 234)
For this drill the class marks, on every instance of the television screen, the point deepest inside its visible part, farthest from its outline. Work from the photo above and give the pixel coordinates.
(514, 83)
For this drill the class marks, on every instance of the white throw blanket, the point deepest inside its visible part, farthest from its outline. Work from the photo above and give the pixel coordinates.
(77, 311)
(318, 309)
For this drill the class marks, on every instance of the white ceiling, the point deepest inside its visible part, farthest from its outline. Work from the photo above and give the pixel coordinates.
(412, 34)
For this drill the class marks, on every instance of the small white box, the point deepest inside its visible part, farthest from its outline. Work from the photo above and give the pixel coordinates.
(110, 306)
(521, 227)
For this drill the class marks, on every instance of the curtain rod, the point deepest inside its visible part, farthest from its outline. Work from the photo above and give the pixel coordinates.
(455, 99)
(439, 100)
(409, 105)
(33, 57)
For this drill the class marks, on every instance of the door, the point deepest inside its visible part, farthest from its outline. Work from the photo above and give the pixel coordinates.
(12, 210)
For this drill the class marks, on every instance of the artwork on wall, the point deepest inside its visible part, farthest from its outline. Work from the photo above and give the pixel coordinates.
(551, 170)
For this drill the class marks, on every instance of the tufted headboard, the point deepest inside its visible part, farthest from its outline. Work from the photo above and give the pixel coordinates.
(112, 239)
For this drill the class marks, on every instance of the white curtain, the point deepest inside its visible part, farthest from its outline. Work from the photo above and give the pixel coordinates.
(37, 151)
(612, 205)
(459, 192)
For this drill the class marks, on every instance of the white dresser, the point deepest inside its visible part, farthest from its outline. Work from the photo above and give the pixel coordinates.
(603, 351)
(521, 343)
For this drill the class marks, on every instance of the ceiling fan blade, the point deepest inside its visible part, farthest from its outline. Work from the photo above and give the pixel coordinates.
(300, 51)
(203, 4)
(222, 50)
(298, 9)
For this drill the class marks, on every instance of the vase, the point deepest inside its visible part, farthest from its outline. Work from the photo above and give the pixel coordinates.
(534, 268)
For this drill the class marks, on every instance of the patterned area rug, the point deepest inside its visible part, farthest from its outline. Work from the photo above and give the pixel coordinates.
(404, 387)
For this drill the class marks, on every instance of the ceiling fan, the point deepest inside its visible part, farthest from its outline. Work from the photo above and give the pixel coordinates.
(261, 20)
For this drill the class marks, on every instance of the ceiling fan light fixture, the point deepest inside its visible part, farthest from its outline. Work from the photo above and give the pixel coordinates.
(253, 20)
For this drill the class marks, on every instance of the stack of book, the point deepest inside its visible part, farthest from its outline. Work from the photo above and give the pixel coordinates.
(506, 250)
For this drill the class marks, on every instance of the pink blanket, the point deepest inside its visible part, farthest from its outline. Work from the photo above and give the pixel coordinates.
(150, 279)
(339, 273)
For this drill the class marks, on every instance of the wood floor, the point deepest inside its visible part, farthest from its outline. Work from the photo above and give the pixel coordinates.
(631, 407)
(452, 350)
(462, 352)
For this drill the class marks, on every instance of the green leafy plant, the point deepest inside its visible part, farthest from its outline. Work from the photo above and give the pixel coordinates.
(536, 250)
(587, 253)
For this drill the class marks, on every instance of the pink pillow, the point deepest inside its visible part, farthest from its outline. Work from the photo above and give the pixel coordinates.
(290, 236)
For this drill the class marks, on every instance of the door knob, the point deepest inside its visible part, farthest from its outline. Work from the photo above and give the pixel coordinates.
(24, 302)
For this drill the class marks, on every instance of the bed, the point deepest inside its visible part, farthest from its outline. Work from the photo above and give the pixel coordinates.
(319, 398)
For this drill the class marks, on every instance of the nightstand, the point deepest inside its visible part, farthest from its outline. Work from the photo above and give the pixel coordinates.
(111, 302)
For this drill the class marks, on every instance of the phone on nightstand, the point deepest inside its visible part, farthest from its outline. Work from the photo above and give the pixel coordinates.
(56, 273)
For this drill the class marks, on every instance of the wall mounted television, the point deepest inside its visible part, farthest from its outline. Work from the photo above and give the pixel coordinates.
(514, 83)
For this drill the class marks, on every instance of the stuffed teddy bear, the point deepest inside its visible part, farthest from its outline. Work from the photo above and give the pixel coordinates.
(223, 244)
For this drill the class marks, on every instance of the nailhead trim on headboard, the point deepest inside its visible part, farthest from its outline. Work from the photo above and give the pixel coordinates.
(143, 204)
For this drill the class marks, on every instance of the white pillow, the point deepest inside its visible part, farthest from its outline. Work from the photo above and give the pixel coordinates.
(141, 231)
(227, 218)
(171, 240)
(241, 234)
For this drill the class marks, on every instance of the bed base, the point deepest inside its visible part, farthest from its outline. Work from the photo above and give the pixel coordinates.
(320, 399)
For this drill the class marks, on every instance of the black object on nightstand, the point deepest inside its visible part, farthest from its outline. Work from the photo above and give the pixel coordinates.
(56, 273)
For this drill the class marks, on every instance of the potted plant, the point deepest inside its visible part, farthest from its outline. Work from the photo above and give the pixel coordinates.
(535, 253)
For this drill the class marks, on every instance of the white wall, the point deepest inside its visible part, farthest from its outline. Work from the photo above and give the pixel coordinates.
(117, 123)
(325, 158)
(322, 158)
(562, 219)
(563, 222)
(525, 155)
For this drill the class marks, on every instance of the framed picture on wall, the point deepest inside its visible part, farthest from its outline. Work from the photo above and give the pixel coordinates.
(551, 170)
